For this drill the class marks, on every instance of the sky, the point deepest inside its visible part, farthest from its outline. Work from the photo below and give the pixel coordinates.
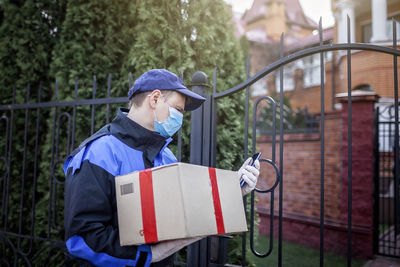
(312, 8)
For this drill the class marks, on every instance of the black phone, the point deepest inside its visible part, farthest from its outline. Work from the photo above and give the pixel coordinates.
(255, 157)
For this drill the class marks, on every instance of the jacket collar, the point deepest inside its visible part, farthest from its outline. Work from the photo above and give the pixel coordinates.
(136, 136)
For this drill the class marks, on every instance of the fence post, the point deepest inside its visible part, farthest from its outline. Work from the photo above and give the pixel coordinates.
(197, 252)
(362, 169)
(197, 147)
(202, 132)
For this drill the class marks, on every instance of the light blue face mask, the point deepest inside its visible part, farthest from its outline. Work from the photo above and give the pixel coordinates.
(171, 125)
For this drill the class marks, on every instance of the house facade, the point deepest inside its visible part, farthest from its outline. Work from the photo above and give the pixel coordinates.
(371, 72)
(371, 21)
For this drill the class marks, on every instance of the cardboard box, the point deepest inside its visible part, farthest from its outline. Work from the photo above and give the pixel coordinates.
(177, 201)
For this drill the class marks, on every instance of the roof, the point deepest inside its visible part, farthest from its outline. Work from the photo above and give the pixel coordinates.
(258, 35)
(311, 40)
(294, 12)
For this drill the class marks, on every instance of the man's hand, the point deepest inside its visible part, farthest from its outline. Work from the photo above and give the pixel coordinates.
(250, 175)
(164, 249)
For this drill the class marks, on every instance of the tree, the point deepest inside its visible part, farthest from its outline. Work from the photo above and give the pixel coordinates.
(79, 39)
(188, 36)
(28, 33)
(96, 36)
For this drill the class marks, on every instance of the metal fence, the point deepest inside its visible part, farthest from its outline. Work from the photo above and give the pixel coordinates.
(25, 239)
(386, 212)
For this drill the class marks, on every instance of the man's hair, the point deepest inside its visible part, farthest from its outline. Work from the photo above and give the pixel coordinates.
(138, 98)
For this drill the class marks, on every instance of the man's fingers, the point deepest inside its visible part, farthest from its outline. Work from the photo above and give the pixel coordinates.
(249, 178)
(257, 164)
(253, 170)
(247, 161)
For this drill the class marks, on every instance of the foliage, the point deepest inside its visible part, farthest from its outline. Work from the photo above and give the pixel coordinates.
(293, 120)
(188, 36)
(66, 40)
(94, 39)
(245, 45)
(27, 37)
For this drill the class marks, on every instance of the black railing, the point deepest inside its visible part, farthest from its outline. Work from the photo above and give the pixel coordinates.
(29, 239)
(279, 65)
(387, 202)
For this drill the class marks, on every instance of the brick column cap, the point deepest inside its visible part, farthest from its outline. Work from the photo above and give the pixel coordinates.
(358, 96)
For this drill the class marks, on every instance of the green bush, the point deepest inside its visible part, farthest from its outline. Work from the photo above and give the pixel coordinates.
(67, 40)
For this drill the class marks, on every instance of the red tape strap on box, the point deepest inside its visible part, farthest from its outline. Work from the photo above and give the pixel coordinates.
(217, 203)
(147, 202)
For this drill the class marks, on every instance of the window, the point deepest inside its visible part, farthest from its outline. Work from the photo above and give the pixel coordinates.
(367, 29)
(389, 27)
(288, 80)
(312, 70)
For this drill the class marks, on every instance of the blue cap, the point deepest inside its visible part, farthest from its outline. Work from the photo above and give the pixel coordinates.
(163, 79)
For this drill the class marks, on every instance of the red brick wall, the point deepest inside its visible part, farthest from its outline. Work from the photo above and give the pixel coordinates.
(301, 183)
(368, 67)
(301, 171)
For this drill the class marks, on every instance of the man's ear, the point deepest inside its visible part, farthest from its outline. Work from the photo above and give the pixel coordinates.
(154, 97)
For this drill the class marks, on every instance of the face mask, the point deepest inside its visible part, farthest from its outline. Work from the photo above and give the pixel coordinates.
(171, 125)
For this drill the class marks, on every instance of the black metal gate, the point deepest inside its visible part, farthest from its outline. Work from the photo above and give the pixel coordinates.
(387, 238)
(27, 238)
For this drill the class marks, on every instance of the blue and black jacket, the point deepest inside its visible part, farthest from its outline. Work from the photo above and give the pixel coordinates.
(90, 213)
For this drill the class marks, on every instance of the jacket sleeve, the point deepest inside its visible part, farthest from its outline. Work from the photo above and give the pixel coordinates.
(89, 215)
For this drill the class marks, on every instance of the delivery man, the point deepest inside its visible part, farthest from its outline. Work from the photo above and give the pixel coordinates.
(135, 140)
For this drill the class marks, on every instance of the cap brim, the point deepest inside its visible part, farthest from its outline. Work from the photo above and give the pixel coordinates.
(193, 101)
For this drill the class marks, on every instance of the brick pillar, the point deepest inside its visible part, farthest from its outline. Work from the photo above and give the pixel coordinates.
(362, 169)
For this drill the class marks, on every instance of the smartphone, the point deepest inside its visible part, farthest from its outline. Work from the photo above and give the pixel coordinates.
(255, 157)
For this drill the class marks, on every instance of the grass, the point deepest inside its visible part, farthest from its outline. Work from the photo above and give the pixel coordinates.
(383, 227)
(296, 255)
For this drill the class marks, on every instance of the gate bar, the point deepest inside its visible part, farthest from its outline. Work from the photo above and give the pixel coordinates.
(264, 191)
(5, 159)
(9, 166)
(73, 113)
(23, 173)
(246, 129)
(108, 96)
(349, 147)
(92, 123)
(396, 136)
(376, 183)
(35, 166)
(280, 154)
(322, 143)
(49, 216)
(180, 129)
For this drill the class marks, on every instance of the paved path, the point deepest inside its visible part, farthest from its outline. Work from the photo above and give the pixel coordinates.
(380, 261)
